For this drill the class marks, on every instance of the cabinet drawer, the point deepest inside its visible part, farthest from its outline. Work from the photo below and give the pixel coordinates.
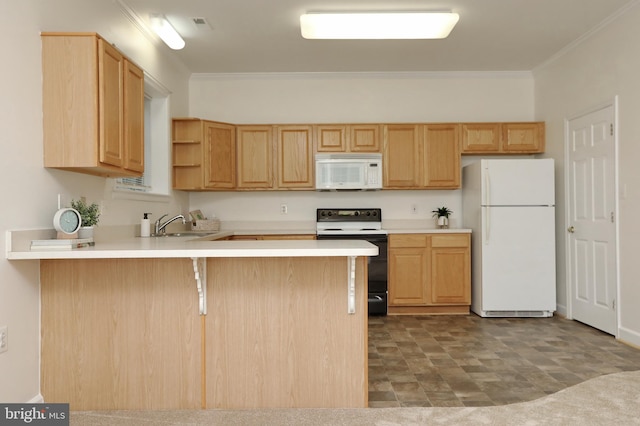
(450, 240)
(407, 240)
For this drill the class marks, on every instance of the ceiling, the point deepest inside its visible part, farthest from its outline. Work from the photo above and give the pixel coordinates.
(261, 36)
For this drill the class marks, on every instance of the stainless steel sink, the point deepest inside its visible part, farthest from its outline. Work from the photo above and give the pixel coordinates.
(183, 234)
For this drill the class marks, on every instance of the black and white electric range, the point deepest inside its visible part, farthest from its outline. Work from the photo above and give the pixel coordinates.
(360, 224)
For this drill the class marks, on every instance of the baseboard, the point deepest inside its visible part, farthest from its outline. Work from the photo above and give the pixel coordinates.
(561, 310)
(629, 337)
(38, 399)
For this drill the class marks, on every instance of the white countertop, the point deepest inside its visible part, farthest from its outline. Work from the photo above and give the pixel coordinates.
(192, 246)
(428, 231)
(120, 245)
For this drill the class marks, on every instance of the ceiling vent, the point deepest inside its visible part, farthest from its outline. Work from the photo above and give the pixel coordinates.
(201, 23)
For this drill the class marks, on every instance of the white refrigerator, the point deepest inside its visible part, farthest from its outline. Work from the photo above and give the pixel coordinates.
(510, 206)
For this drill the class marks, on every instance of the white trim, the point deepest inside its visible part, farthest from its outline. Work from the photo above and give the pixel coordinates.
(155, 85)
(158, 96)
(629, 336)
(586, 36)
(562, 310)
(361, 75)
(140, 196)
(38, 399)
(141, 25)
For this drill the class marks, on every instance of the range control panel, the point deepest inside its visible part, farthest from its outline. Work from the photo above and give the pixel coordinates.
(349, 215)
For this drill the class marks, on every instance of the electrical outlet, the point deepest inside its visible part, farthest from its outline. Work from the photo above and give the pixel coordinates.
(283, 209)
(4, 338)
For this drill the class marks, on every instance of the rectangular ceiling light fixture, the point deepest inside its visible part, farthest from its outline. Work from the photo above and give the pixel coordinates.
(166, 32)
(378, 25)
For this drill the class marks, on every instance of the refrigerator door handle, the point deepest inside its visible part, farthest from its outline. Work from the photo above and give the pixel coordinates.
(487, 186)
(487, 225)
(487, 197)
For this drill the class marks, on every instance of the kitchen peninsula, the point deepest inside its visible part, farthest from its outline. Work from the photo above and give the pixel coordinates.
(186, 323)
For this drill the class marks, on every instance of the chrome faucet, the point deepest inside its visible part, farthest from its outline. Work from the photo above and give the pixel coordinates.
(160, 227)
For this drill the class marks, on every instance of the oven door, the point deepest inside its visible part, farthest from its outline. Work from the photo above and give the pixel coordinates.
(377, 269)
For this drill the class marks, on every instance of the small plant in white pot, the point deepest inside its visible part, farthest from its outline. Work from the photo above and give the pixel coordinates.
(442, 216)
(90, 215)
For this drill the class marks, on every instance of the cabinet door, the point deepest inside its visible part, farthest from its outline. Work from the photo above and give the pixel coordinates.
(294, 157)
(364, 137)
(289, 237)
(331, 138)
(401, 162)
(407, 273)
(441, 151)
(133, 117)
(254, 157)
(450, 271)
(407, 269)
(523, 137)
(69, 71)
(480, 138)
(219, 155)
(110, 89)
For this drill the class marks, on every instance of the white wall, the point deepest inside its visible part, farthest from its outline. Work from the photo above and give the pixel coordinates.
(351, 98)
(29, 192)
(593, 72)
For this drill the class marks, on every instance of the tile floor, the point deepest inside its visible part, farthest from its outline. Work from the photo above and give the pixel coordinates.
(443, 361)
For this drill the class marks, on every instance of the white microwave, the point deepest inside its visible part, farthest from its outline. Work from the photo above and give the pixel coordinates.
(348, 172)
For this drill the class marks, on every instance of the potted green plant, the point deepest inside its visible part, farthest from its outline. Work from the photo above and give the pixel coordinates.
(442, 216)
(90, 215)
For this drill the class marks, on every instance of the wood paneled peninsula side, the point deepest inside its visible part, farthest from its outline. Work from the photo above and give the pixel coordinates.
(182, 323)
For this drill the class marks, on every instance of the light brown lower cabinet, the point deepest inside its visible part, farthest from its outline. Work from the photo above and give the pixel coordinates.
(429, 273)
(274, 237)
(125, 334)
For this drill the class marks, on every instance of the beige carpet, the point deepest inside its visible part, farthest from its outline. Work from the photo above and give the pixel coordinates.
(606, 400)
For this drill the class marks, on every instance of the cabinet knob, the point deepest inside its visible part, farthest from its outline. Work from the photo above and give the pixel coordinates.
(571, 229)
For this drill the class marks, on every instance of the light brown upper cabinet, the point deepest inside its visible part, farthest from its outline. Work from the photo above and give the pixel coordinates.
(204, 154)
(331, 137)
(441, 156)
(219, 155)
(274, 157)
(420, 156)
(364, 138)
(523, 137)
(401, 156)
(255, 148)
(281, 157)
(93, 106)
(480, 138)
(187, 136)
(133, 117)
(503, 138)
(294, 154)
(347, 137)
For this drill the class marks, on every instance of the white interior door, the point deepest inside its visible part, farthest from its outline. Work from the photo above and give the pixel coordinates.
(592, 253)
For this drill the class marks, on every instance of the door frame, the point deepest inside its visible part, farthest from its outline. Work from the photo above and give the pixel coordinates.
(567, 200)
